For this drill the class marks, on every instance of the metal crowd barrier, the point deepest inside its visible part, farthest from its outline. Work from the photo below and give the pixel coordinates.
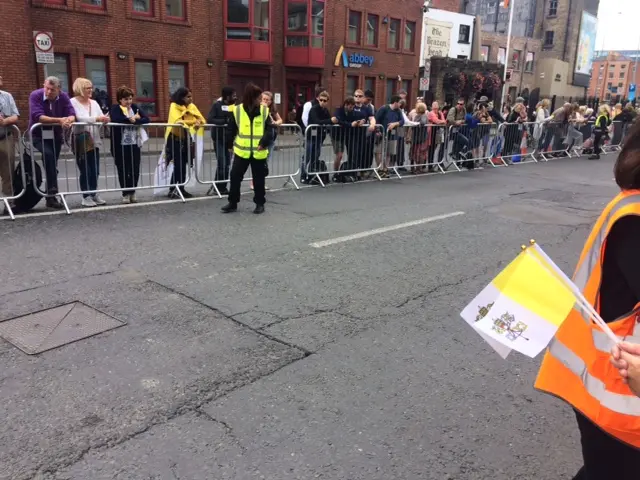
(551, 142)
(470, 146)
(365, 151)
(427, 146)
(518, 142)
(283, 161)
(10, 144)
(616, 137)
(141, 158)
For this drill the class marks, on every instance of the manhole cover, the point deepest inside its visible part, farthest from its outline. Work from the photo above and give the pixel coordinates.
(41, 331)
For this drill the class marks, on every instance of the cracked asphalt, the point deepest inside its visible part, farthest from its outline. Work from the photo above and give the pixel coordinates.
(248, 354)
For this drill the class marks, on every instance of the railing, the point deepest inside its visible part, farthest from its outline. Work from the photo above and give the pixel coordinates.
(284, 158)
(58, 163)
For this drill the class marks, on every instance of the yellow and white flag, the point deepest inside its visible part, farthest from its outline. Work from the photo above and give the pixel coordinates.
(523, 307)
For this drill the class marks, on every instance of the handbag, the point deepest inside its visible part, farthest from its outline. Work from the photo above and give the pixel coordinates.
(83, 141)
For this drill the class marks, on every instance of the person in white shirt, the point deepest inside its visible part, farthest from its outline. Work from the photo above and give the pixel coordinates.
(86, 141)
(307, 106)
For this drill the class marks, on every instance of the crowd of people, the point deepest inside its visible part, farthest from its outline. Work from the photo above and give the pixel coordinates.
(365, 140)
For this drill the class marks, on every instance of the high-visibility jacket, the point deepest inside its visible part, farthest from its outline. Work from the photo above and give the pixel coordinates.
(250, 132)
(576, 366)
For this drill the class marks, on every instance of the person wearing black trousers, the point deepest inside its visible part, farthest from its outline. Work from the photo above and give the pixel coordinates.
(125, 142)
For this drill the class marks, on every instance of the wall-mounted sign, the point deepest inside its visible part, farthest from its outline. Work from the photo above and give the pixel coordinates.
(43, 44)
(352, 60)
(438, 38)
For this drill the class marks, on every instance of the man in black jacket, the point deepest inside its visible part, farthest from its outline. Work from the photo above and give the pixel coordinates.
(318, 115)
(219, 115)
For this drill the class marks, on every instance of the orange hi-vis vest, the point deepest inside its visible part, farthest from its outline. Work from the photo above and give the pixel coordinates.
(576, 366)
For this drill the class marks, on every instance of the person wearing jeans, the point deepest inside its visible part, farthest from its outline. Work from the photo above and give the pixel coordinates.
(219, 115)
(86, 141)
(51, 107)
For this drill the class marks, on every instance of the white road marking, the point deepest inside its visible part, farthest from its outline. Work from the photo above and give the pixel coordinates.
(376, 231)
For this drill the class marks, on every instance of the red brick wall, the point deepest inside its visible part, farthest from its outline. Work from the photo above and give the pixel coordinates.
(387, 64)
(78, 31)
(450, 5)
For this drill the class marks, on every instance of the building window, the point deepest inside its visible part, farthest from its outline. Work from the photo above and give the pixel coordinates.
(146, 87)
(609, 85)
(515, 60)
(317, 23)
(355, 21)
(177, 76)
(623, 66)
(248, 19)
(60, 68)
(55, 2)
(372, 30)
(548, 38)
(143, 7)
(370, 83)
(621, 74)
(175, 9)
(610, 74)
(96, 70)
(99, 4)
(261, 20)
(409, 35)
(391, 89)
(553, 8)
(464, 34)
(502, 55)
(528, 65)
(352, 84)
(406, 86)
(393, 40)
(485, 52)
(620, 85)
(297, 17)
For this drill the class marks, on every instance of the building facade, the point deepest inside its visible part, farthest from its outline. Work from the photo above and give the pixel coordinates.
(155, 46)
(446, 34)
(612, 76)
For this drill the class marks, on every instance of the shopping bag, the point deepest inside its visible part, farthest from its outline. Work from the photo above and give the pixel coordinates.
(162, 176)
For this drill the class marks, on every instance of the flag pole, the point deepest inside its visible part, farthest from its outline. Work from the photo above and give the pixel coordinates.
(506, 60)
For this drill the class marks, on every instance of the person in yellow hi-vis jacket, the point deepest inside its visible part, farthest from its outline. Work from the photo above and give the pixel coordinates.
(250, 133)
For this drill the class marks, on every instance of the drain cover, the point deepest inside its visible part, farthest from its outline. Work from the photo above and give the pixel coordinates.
(41, 331)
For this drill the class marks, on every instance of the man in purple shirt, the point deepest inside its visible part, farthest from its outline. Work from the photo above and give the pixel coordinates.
(52, 108)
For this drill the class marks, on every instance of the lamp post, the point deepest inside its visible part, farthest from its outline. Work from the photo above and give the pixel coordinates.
(506, 60)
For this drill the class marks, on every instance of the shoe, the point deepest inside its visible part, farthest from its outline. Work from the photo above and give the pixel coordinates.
(173, 194)
(229, 208)
(88, 202)
(133, 198)
(594, 157)
(98, 200)
(223, 191)
(126, 199)
(54, 203)
(259, 209)
(186, 194)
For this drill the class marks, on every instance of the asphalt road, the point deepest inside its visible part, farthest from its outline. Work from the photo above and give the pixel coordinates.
(251, 354)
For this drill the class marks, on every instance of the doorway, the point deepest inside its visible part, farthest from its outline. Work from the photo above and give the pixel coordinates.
(298, 93)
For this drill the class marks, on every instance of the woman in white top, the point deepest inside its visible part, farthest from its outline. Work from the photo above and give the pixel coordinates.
(542, 113)
(86, 141)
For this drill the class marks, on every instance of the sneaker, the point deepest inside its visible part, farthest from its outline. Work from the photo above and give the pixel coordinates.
(54, 203)
(259, 209)
(594, 157)
(126, 199)
(133, 198)
(88, 202)
(186, 194)
(229, 208)
(98, 200)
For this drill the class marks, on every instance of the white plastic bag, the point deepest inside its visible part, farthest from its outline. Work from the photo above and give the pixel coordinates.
(162, 176)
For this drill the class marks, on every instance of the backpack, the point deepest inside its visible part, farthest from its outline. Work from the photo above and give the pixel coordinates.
(317, 166)
(32, 195)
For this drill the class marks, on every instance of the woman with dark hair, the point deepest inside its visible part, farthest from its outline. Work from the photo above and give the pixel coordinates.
(249, 133)
(126, 141)
(576, 366)
(179, 147)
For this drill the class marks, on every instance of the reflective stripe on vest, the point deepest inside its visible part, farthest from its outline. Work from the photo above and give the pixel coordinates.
(576, 365)
(247, 140)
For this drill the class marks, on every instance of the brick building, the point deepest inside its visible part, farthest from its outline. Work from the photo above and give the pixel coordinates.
(286, 46)
(612, 75)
